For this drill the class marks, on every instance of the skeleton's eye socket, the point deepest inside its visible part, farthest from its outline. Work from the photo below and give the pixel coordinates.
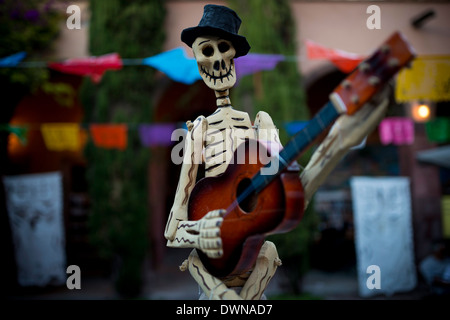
(208, 51)
(224, 47)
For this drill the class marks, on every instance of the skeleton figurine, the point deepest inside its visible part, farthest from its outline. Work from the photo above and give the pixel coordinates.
(214, 139)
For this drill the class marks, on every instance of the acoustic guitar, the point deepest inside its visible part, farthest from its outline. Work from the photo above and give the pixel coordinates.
(259, 200)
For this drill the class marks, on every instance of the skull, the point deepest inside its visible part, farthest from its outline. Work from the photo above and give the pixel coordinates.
(215, 62)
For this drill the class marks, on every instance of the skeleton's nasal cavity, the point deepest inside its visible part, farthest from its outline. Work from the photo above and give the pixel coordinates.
(217, 65)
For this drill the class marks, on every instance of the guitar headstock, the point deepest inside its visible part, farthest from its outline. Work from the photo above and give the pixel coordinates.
(372, 73)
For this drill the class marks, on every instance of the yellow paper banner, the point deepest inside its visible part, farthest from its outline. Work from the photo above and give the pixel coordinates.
(428, 78)
(446, 216)
(61, 136)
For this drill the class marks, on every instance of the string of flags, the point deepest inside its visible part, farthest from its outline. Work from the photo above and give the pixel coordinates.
(59, 136)
(71, 136)
(179, 66)
(175, 63)
(428, 77)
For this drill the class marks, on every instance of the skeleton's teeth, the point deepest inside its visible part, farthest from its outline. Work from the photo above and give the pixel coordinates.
(212, 76)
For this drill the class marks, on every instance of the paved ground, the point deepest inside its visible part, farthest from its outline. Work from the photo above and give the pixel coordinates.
(169, 283)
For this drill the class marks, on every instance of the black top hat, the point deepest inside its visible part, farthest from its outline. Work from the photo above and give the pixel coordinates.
(218, 21)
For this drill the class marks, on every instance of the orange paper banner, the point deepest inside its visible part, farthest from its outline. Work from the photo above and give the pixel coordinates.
(109, 136)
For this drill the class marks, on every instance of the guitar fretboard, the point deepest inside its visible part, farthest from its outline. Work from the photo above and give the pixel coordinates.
(293, 149)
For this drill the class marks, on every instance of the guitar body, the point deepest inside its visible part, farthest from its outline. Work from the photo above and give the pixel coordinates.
(277, 208)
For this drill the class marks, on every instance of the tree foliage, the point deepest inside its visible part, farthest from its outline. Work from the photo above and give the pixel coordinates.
(30, 26)
(270, 28)
(118, 179)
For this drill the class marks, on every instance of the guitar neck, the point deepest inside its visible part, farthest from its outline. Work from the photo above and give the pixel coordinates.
(348, 97)
(296, 146)
(305, 137)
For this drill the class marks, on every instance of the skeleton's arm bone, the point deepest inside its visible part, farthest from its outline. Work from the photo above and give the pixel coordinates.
(348, 131)
(192, 158)
(265, 128)
(203, 234)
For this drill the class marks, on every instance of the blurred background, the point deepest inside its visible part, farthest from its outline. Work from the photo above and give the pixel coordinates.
(92, 90)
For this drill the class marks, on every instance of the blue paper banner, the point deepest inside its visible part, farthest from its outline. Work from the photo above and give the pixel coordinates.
(176, 65)
(12, 60)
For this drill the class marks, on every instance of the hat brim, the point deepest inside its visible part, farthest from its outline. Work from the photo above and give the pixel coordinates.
(239, 42)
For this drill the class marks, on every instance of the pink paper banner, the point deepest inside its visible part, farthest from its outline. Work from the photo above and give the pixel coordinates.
(397, 131)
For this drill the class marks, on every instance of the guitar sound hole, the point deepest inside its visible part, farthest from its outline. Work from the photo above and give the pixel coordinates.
(248, 203)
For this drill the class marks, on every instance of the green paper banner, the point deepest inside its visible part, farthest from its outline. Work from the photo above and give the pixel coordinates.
(19, 131)
(438, 130)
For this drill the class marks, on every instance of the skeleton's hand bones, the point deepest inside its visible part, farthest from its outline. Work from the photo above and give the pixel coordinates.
(204, 234)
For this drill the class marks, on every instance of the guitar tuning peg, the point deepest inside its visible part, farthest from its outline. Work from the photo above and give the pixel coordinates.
(346, 84)
(364, 67)
(385, 48)
(393, 62)
(374, 80)
(354, 99)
